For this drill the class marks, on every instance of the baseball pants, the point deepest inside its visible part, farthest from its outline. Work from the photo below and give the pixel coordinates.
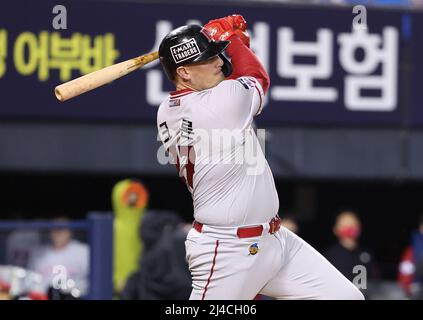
(279, 265)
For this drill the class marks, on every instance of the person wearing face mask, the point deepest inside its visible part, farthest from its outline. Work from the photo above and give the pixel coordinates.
(347, 253)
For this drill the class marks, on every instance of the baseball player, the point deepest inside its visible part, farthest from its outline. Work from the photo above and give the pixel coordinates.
(236, 248)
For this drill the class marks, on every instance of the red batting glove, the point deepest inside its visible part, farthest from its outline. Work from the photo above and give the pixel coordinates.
(240, 28)
(224, 28)
(237, 21)
(220, 29)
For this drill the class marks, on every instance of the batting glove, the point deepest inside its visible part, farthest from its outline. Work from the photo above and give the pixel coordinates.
(224, 28)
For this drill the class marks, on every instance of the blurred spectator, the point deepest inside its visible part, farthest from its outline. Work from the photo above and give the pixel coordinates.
(163, 272)
(347, 252)
(410, 270)
(63, 264)
(20, 244)
(17, 245)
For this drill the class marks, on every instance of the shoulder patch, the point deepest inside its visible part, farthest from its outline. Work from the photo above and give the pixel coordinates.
(247, 83)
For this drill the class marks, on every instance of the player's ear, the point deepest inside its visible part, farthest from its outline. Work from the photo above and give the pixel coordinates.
(183, 73)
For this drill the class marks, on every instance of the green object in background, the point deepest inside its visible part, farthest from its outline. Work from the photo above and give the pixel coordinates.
(129, 200)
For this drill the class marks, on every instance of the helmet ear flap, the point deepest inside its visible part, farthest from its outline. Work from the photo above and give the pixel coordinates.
(168, 69)
(227, 65)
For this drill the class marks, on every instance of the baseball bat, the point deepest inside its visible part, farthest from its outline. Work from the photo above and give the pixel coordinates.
(100, 77)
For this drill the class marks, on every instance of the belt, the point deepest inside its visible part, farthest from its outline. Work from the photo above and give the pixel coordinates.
(248, 232)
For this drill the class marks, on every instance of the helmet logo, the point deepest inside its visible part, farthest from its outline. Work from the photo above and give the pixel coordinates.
(185, 50)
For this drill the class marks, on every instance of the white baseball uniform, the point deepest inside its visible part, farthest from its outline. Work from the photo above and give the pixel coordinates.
(232, 187)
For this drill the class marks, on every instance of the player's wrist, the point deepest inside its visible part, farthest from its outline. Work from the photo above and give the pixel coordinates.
(235, 45)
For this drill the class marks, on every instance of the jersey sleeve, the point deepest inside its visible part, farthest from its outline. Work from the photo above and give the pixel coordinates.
(237, 101)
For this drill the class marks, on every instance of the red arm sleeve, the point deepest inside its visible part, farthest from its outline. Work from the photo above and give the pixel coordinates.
(245, 63)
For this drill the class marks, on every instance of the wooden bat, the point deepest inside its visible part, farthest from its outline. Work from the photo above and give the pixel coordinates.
(100, 77)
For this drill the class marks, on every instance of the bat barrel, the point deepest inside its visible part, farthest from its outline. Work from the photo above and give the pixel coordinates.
(100, 77)
(58, 94)
(66, 91)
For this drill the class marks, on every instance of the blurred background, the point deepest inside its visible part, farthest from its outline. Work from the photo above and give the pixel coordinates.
(86, 209)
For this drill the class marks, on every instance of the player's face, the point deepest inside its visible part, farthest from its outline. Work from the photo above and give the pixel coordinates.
(205, 74)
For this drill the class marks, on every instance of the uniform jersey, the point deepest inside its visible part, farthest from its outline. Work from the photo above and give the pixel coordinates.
(209, 137)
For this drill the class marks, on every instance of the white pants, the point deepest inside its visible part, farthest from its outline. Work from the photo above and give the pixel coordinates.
(284, 267)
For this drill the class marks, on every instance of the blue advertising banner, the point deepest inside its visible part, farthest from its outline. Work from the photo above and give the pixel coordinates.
(323, 71)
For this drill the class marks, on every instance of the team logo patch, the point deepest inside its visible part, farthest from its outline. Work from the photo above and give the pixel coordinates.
(185, 50)
(247, 83)
(253, 249)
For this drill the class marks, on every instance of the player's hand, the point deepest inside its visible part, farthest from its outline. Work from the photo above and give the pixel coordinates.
(240, 28)
(224, 28)
(237, 21)
(220, 29)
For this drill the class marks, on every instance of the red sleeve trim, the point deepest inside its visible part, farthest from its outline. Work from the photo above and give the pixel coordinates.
(180, 93)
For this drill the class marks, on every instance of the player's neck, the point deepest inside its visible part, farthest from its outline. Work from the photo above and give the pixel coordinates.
(182, 86)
